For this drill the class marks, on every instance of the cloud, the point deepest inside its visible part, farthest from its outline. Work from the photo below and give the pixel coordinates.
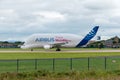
(98, 5)
(104, 21)
(49, 16)
(20, 18)
(6, 11)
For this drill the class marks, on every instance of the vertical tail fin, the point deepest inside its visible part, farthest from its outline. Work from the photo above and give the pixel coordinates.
(88, 37)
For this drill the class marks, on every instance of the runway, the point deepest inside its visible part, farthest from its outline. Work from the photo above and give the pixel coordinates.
(65, 51)
(93, 51)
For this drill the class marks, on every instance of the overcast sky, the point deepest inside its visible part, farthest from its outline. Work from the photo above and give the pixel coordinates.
(21, 18)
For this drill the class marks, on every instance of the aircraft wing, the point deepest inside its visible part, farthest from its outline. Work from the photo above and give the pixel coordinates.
(59, 44)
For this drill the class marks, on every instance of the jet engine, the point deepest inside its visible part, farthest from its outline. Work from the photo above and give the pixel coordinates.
(47, 46)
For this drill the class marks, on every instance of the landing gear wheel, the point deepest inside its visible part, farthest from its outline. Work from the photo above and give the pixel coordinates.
(31, 49)
(58, 49)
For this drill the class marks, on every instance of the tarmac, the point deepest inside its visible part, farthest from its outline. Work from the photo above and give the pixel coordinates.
(94, 50)
(77, 51)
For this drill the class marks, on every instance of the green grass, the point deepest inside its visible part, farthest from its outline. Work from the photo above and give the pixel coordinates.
(8, 60)
(17, 53)
(72, 75)
(38, 65)
(39, 55)
(60, 65)
(24, 63)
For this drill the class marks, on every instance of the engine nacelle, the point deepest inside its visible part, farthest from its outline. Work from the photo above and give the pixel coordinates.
(47, 46)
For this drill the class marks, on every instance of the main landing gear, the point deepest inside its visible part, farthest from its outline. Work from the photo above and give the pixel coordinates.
(58, 49)
(31, 49)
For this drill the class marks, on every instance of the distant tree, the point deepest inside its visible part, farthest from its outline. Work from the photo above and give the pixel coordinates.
(114, 42)
(5, 42)
(18, 42)
(101, 45)
(91, 46)
(119, 40)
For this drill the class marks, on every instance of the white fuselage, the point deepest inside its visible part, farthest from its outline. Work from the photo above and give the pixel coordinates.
(41, 40)
(58, 40)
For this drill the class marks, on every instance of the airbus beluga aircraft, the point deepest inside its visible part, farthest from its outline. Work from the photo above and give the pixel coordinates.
(48, 41)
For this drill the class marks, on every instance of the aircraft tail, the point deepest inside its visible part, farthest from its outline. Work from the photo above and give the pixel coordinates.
(88, 37)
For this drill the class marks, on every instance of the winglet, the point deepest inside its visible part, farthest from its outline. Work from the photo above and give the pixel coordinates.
(88, 37)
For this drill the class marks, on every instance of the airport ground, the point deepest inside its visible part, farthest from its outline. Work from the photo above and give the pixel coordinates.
(16, 53)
